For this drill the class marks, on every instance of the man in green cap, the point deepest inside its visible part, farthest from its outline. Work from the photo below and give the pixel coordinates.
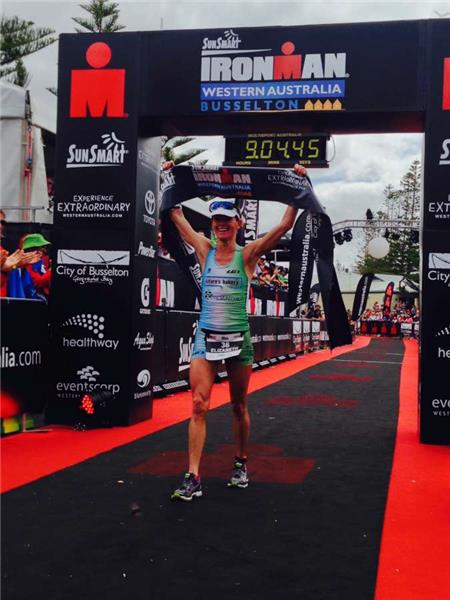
(40, 272)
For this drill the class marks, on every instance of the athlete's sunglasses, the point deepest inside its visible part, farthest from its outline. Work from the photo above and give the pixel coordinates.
(222, 204)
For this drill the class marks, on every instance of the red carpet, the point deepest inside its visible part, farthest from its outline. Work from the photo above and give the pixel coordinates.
(30, 456)
(415, 547)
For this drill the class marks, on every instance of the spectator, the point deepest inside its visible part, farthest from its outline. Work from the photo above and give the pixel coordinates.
(11, 264)
(40, 271)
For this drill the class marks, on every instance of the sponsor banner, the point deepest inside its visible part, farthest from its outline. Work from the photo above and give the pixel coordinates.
(315, 334)
(361, 295)
(387, 301)
(256, 337)
(147, 197)
(435, 264)
(88, 330)
(280, 69)
(23, 356)
(383, 328)
(302, 260)
(85, 380)
(92, 268)
(249, 210)
(89, 207)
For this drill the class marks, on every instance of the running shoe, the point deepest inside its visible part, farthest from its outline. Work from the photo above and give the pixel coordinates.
(239, 477)
(190, 488)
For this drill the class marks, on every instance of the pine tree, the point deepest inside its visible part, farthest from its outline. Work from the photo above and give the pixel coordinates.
(18, 39)
(104, 16)
(403, 256)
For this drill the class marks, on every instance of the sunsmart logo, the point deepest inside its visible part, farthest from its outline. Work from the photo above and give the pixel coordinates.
(97, 92)
(112, 155)
(186, 347)
(444, 158)
(255, 79)
(95, 338)
(230, 41)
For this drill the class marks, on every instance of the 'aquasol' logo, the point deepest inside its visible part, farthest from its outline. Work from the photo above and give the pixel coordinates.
(235, 79)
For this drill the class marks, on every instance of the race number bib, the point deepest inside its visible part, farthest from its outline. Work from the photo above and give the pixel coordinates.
(220, 346)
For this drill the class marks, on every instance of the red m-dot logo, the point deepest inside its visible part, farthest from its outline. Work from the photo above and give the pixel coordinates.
(97, 92)
(446, 85)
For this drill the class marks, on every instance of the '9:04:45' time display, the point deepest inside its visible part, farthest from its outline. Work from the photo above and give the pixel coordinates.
(276, 150)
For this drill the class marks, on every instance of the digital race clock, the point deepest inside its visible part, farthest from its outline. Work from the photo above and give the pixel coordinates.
(276, 150)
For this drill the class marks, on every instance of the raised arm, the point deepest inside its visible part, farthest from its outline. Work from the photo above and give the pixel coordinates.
(200, 243)
(262, 245)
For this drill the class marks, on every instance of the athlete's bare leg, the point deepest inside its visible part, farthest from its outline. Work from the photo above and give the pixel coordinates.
(239, 377)
(201, 377)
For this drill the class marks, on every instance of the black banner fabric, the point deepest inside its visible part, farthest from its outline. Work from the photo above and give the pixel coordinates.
(361, 295)
(387, 301)
(302, 259)
(182, 183)
(23, 356)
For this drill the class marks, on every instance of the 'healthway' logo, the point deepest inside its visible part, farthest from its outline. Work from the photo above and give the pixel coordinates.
(94, 324)
(236, 79)
(111, 155)
(97, 92)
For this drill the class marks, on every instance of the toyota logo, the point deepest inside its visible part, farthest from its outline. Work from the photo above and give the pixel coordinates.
(150, 202)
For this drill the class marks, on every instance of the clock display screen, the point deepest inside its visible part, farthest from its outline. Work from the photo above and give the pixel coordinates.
(274, 150)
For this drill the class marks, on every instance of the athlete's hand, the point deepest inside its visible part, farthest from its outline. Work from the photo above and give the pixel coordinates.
(300, 170)
(176, 213)
(169, 164)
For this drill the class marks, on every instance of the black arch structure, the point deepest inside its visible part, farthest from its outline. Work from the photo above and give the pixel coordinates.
(114, 104)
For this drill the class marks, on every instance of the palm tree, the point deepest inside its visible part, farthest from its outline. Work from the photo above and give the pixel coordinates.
(19, 38)
(104, 16)
(170, 144)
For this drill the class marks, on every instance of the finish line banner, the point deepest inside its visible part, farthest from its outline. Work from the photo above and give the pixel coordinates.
(280, 185)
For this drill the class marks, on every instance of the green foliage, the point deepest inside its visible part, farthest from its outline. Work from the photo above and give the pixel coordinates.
(19, 38)
(403, 257)
(168, 150)
(104, 15)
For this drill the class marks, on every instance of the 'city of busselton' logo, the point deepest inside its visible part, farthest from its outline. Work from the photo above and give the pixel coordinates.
(97, 92)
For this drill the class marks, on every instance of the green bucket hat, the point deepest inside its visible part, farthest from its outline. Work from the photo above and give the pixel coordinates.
(34, 240)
